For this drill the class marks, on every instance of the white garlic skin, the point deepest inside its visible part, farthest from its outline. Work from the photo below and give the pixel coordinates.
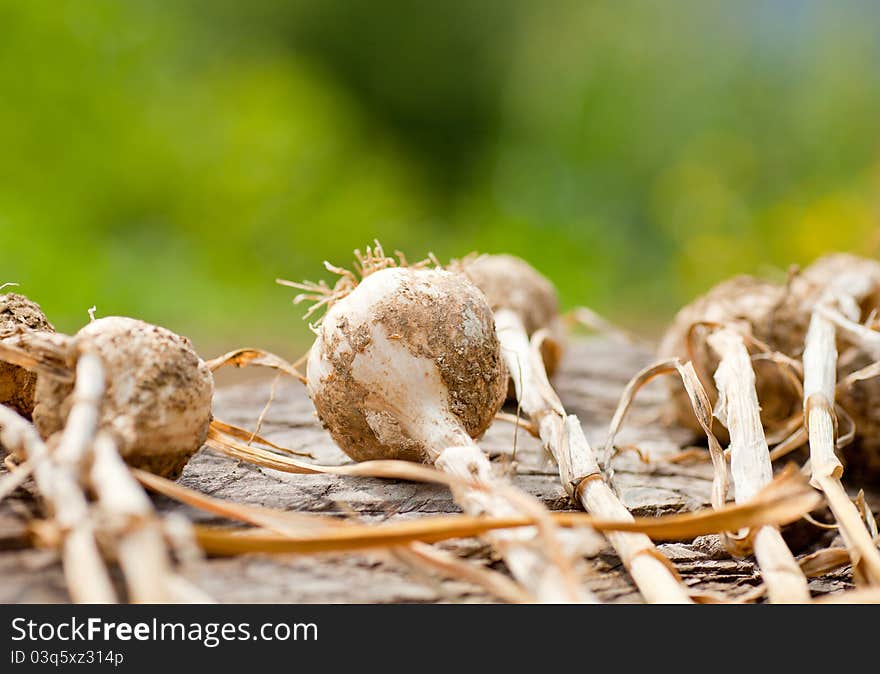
(407, 365)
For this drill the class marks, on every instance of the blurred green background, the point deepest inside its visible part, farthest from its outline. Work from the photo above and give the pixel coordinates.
(169, 160)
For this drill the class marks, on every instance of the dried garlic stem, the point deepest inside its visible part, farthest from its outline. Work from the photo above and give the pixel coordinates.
(750, 465)
(564, 438)
(84, 569)
(820, 379)
(548, 582)
(140, 546)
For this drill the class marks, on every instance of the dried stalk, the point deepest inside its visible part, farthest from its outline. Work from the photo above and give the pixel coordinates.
(252, 436)
(702, 410)
(820, 378)
(244, 357)
(750, 466)
(579, 470)
(546, 573)
(87, 577)
(139, 541)
(783, 501)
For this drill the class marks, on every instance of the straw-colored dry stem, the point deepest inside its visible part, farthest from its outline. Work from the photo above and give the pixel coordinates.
(546, 573)
(750, 465)
(246, 356)
(701, 409)
(140, 546)
(820, 378)
(139, 542)
(564, 438)
(85, 572)
(84, 569)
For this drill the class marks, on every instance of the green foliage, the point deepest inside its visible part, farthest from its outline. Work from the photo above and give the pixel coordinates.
(170, 160)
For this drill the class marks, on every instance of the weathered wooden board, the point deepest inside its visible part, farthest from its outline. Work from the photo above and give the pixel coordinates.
(594, 373)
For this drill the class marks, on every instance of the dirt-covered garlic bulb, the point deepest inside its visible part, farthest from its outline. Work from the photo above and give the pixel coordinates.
(157, 404)
(778, 315)
(510, 282)
(757, 308)
(407, 365)
(19, 316)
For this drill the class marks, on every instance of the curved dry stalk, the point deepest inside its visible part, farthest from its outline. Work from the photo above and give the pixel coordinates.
(246, 356)
(750, 461)
(794, 441)
(820, 378)
(822, 561)
(280, 521)
(519, 422)
(780, 503)
(249, 437)
(382, 468)
(867, 372)
(783, 432)
(702, 411)
(563, 436)
(867, 338)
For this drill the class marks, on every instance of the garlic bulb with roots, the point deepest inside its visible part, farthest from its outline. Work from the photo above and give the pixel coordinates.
(157, 403)
(407, 365)
(19, 316)
(524, 303)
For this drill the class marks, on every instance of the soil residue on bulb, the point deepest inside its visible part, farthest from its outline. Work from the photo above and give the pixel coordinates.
(435, 316)
(512, 283)
(157, 403)
(18, 316)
